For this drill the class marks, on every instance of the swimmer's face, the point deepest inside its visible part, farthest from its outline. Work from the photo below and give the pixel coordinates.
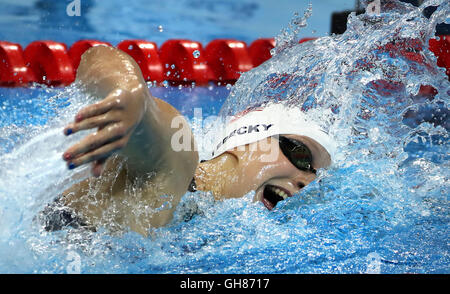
(264, 168)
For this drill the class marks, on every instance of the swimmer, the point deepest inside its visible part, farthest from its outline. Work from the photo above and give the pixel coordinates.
(135, 126)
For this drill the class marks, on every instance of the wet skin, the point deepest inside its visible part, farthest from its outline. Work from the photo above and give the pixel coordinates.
(132, 124)
(235, 173)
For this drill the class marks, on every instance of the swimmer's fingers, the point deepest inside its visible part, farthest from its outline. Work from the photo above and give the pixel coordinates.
(113, 100)
(92, 122)
(113, 133)
(100, 155)
(97, 167)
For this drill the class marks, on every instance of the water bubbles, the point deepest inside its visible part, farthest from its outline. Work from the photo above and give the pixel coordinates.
(196, 54)
(229, 86)
(130, 47)
(172, 66)
(165, 84)
(160, 28)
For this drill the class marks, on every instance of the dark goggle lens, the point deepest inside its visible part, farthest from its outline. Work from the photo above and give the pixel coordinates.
(297, 153)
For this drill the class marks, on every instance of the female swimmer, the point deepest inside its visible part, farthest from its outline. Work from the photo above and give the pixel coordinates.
(136, 127)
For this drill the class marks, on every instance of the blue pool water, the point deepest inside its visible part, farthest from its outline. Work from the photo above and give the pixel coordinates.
(381, 208)
(199, 20)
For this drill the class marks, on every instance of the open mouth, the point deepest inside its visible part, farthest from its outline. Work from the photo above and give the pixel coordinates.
(272, 195)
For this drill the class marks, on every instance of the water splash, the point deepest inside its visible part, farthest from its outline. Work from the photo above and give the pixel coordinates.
(196, 54)
(289, 36)
(363, 80)
(386, 196)
(363, 88)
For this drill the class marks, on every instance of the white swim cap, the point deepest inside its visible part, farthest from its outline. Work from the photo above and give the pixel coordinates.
(274, 119)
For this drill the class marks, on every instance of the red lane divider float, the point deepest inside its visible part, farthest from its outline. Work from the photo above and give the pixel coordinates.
(13, 69)
(441, 49)
(227, 59)
(260, 49)
(177, 61)
(146, 55)
(50, 62)
(184, 62)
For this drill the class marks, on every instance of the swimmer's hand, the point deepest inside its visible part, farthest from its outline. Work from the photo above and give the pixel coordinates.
(129, 121)
(137, 126)
(115, 118)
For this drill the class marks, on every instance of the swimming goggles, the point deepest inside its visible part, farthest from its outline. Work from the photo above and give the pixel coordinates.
(297, 153)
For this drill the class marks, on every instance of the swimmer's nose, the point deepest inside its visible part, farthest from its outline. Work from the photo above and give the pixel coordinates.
(302, 179)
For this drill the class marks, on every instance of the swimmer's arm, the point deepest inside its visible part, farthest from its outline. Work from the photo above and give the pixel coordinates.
(129, 120)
